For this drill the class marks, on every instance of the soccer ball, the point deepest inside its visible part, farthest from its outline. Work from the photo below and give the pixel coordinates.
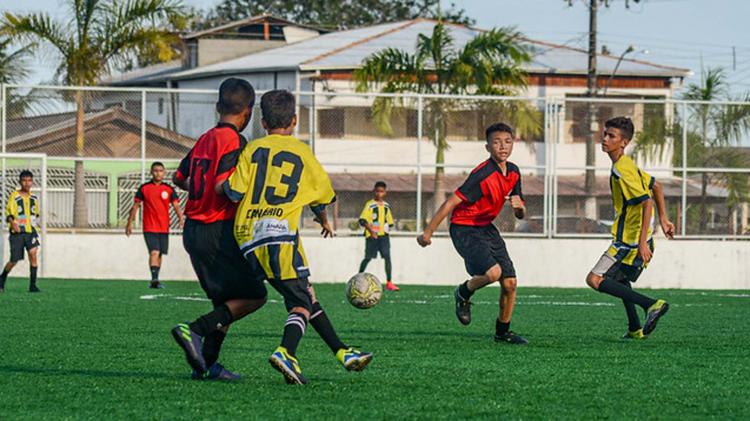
(363, 290)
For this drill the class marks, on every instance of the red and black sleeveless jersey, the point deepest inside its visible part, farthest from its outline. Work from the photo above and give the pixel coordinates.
(156, 199)
(211, 161)
(483, 193)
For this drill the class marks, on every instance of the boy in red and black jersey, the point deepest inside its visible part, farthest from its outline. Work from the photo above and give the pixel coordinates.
(156, 196)
(474, 207)
(234, 285)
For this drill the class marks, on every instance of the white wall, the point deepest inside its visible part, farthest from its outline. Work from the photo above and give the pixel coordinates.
(539, 262)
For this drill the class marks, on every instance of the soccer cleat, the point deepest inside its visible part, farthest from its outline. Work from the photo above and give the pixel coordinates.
(33, 288)
(353, 359)
(2, 290)
(390, 286)
(216, 372)
(463, 309)
(635, 334)
(156, 285)
(192, 344)
(511, 338)
(287, 365)
(653, 315)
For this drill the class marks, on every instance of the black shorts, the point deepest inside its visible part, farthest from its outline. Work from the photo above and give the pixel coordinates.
(381, 245)
(157, 241)
(21, 241)
(482, 248)
(222, 271)
(296, 293)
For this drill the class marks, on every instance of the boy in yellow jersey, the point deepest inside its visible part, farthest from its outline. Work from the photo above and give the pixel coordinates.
(21, 214)
(377, 219)
(633, 195)
(276, 177)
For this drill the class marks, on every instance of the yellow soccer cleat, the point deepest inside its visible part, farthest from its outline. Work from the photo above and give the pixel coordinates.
(353, 359)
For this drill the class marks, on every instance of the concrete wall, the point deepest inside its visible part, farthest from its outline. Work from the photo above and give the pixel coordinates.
(539, 262)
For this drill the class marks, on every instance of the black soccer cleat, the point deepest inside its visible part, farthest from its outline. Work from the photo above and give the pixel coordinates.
(192, 344)
(653, 315)
(511, 337)
(33, 288)
(463, 309)
(155, 285)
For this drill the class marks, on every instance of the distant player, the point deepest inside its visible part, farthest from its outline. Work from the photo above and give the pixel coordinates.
(632, 243)
(377, 219)
(21, 214)
(235, 288)
(156, 197)
(276, 177)
(474, 206)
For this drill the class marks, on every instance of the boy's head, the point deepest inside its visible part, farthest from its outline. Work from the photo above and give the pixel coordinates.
(26, 178)
(236, 98)
(157, 172)
(279, 111)
(618, 132)
(379, 190)
(499, 141)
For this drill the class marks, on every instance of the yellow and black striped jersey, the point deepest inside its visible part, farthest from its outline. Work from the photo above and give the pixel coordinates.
(630, 187)
(379, 215)
(276, 177)
(24, 209)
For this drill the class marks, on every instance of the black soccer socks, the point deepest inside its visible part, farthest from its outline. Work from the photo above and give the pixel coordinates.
(293, 332)
(220, 317)
(616, 289)
(320, 322)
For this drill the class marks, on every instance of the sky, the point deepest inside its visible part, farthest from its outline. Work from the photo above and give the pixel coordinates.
(681, 33)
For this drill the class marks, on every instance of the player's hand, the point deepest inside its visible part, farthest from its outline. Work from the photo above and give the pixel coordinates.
(516, 202)
(373, 232)
(128, 230)
(326, 230)
(424, 239)
(668, 228)
(15, 227)
(644, 251)
(182, 223)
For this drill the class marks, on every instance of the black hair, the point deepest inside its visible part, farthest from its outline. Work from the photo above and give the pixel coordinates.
(235, 96)
(24, 174)
(379, 184)
(498, 127)
(624, 124)
(278, 108)
(157, 164)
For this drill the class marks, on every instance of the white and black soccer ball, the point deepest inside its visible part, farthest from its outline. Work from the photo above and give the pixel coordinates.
(364, 290)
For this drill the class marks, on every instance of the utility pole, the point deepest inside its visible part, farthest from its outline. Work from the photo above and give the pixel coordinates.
(590, 207)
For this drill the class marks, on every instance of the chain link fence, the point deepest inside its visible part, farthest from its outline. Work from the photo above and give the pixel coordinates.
(101, 142)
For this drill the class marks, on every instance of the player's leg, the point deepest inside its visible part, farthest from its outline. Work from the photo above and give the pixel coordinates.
(471, 243)
(16, 254)
(508, 284)
(371, 252)
(298, 301)
(154, 264)
(384, 247)
(33, 267)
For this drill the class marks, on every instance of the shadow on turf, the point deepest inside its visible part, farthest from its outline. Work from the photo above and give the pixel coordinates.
(91, 373)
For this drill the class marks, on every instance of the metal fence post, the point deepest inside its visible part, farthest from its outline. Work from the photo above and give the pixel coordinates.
(420, 117)
(312, 122)
(45, 215)
(545, 192)
(683, 228)
(3, 134)
(143, 136)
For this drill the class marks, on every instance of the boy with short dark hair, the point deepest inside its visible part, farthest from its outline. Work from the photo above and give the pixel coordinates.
(234, 287)
(156, 196)
(473, 208)
(633, 194)
(21, 214)
(377, 219)
(276, 177)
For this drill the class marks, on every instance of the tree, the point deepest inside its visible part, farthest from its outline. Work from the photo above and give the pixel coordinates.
(712, 132)
(333, 14)
(101, 36)
(489, 64)
(14, 68)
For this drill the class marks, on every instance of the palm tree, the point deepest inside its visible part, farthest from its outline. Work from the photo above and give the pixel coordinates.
(100, 37)
(489, 64)
(712, 131)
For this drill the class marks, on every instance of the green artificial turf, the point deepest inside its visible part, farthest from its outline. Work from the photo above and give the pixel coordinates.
(102, 350)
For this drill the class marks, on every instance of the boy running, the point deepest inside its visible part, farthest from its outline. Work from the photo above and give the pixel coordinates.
(235, 288)
(474, 206)
(276, 177)
(156, 196)
(377, 219)
(21, 214)
(632, 244)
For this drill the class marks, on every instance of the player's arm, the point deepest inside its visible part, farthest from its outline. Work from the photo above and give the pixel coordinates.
(643, 248)
(661, 207)
(516, 200)
(11, 212)
(364, 221)
(134, 211)
(182, 175)
(425, 239)
(321, 217)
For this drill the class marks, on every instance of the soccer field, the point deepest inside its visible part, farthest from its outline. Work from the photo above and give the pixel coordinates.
(102, 350)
